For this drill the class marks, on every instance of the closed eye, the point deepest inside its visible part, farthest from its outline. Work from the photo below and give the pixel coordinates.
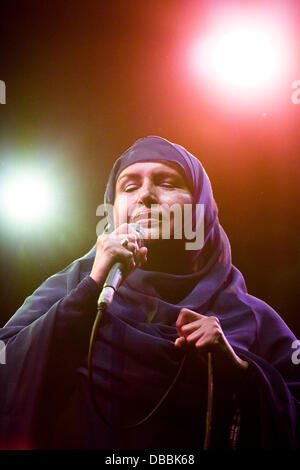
(130, 187)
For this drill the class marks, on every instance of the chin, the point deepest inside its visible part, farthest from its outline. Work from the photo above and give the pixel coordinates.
(156, 236)
(155, 232)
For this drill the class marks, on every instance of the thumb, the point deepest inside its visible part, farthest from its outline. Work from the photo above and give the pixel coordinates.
(179, 341)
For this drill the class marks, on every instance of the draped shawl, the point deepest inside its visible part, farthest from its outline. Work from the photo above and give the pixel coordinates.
(44, 398)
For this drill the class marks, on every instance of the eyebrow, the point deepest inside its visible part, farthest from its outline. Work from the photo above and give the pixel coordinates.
(163, 173)
(127, 175)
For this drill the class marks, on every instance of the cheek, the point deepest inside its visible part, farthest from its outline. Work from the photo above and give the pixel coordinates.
(171, 198)
(177, 218)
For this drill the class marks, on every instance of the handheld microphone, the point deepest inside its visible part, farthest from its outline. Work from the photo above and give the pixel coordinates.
(115, 276)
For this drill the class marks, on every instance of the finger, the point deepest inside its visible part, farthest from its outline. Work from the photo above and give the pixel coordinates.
(134, 237)
(131, 246)
(144, 253)
(186, 316)
(130, 231)
(139, 259)
(207, 340)
(139, 239)
(189, 327)
(131, 237)
(196, 335)
(179, 342)
(127, 259)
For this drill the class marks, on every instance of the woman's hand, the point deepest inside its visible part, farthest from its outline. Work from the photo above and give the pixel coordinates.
(204, 333)
(109, 251)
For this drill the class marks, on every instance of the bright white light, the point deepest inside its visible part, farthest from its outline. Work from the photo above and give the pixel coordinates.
(244, 57)
(242, 53)
(26, 198)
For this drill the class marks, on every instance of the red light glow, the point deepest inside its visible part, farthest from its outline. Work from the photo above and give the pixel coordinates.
(243, 55)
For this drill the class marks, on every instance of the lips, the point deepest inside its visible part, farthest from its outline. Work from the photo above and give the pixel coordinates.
(146, 216)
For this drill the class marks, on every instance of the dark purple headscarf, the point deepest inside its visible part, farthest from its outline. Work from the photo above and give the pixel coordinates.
(216, 250)
(155, 148)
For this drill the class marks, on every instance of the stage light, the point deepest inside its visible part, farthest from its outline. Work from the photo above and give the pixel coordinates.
(244, 56)
(26, 198)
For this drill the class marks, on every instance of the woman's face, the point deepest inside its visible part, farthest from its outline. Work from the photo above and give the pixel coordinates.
(144, 184)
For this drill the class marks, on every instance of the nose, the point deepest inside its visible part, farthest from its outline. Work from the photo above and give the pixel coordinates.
(147, 194)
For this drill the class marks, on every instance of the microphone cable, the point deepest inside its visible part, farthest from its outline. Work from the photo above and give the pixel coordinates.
(208, 426)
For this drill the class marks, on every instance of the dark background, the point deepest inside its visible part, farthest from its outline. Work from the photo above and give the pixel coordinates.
(85, 79)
